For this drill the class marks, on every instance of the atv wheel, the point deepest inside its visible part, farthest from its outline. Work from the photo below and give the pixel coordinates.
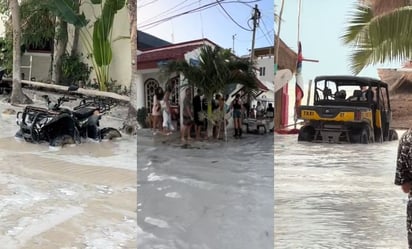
(109, 133)
(62, 140)
(306, 133)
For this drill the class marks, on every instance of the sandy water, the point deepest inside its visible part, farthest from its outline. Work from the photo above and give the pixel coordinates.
(75, 197)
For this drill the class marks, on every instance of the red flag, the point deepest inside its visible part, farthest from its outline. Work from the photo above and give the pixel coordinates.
(299, 80)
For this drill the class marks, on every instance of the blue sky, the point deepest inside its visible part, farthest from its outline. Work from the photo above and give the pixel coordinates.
(322, 24)
(211, 23)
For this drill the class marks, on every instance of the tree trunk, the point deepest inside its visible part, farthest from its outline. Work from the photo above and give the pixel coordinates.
(76, 34)
(17, 95)
(60, 44)
(76, 37)
(209, 114)
(130, 125)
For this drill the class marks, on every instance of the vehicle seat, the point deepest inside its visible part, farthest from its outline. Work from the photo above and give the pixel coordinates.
(340, 95)
(83, 112)
(357, 95)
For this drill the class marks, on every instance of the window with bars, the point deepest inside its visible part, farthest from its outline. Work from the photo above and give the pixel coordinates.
(262, 71)
(150, 87)
(174, 96)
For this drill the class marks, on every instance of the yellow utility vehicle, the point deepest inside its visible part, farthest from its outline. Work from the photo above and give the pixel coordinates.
(347, 109)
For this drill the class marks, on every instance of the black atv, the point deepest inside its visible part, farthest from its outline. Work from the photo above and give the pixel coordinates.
(58, 125)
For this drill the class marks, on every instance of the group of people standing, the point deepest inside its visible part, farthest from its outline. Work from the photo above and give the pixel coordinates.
(195, 115)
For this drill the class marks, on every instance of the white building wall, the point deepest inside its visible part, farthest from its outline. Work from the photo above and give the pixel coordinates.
(38, 67)
(267, 63)
(120, 68)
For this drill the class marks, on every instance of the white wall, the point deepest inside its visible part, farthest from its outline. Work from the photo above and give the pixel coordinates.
(120, 68)
(40, 66)
(267, 63)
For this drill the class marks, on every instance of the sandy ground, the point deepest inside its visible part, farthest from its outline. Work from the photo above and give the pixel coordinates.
(75, 197)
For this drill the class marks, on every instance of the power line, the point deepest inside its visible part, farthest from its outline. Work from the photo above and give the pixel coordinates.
(194, 10)
(168, 11)
(231, 18)
(267, 31)
(155, 23)
(146, 4)
(265, 35)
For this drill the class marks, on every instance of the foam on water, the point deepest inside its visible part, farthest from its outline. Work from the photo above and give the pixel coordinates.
(173, 195)
(156, 222)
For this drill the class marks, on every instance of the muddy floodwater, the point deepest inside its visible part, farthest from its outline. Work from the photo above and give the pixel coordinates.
(81, 196)
(337, 196)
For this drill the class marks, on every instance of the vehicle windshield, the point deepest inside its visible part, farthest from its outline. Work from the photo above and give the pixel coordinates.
(329, 90)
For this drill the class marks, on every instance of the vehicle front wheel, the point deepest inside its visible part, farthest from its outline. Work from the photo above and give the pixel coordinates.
(360, 136)
(110, 133)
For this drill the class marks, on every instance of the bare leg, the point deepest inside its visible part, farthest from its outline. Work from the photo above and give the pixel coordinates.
(182, 133)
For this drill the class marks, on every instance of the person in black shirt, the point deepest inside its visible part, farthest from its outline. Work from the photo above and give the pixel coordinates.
(403, 176)
(197, 108)
(237, 115)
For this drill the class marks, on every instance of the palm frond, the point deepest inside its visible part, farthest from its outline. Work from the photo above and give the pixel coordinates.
(358, 24)
(387, 39)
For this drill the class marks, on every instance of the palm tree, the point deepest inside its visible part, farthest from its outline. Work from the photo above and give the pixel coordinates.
(215, 70)
(131, 121)
(379, 31)
(17, 95)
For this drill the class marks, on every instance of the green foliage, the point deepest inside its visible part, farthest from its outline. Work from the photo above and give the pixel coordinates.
(112, 86)
(216, 69)
(98, 43)
(378, 39)
(67, 10)
(6, 54)
(142, 116)
(37, 24)
(74, 70)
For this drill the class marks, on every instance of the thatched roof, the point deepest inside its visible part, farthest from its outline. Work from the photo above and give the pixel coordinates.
(399, 80)
(287, 57)
(382, 6)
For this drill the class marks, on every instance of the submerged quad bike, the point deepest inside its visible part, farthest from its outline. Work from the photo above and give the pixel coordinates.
(347, 109)
(58, 125)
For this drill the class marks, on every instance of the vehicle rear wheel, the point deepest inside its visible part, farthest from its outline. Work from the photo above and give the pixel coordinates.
(306, 133)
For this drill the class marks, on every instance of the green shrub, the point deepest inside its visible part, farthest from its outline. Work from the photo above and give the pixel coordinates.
(112, 86)
(74, 70)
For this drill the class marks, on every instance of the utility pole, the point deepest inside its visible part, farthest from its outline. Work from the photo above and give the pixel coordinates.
(233, 45)
(255, 18)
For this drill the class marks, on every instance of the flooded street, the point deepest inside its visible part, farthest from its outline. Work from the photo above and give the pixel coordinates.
(211, 195)
(337, 196)
(81, 196)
